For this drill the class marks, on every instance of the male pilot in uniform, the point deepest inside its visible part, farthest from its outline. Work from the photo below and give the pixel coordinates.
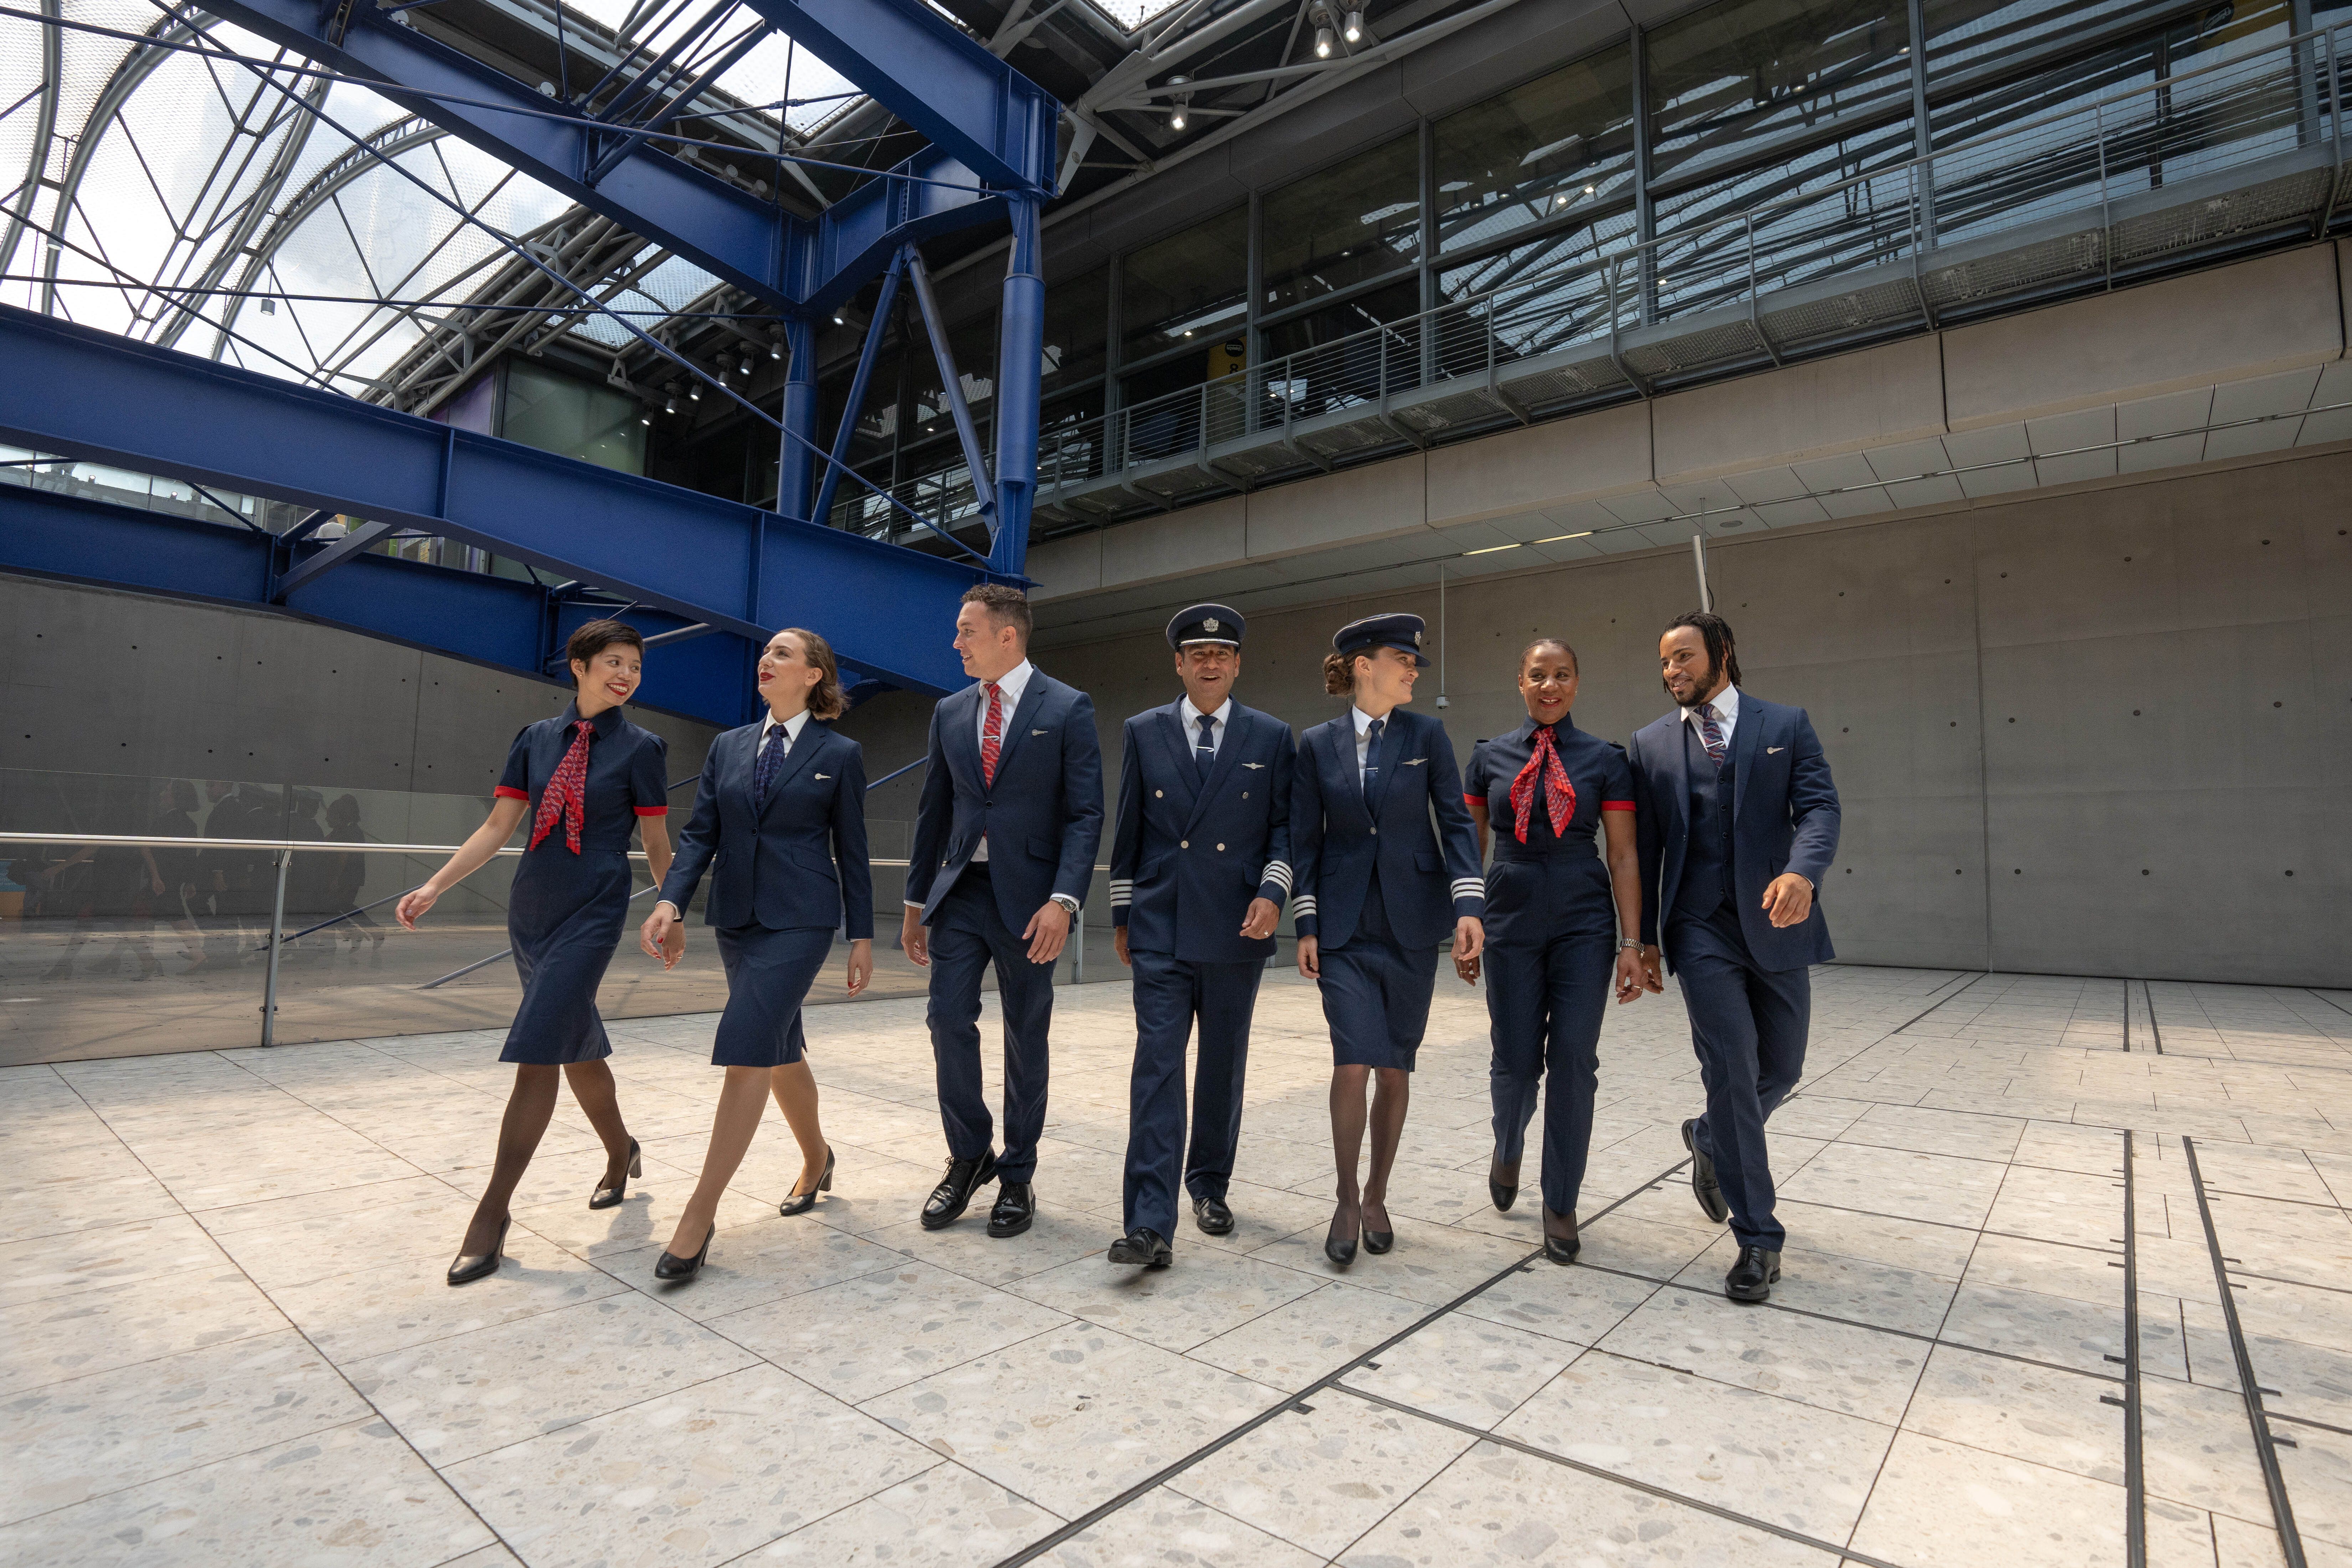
(1199, 871)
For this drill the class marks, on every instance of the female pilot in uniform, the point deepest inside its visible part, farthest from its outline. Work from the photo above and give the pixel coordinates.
(1376, 892)
(1554, 915)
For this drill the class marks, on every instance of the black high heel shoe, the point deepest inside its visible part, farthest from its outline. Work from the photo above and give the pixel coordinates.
(468, 1268)
(1340, 1252)
(607, 1197)
(801, 1203)
(1561, 1248)
(1504, 1194)
(678, 1270)
(1378, 1241)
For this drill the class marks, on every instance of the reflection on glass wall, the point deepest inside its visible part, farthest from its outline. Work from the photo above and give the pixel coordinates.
(1727, 76)
(1355, 220)
(1187, 289)
(1555, 149)
(1077, 317)
(558, 413)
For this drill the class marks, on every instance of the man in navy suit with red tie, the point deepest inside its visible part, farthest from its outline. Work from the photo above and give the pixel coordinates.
(1736, 818)
(1004, 851)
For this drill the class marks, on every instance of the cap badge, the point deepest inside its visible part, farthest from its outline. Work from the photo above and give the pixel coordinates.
(1416, 640)
(1210, 625)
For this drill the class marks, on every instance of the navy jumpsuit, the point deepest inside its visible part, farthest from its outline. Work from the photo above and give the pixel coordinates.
(565, 912)
(1551, 947)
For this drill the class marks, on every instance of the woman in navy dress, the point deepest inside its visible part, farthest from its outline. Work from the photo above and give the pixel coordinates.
(782, 811)
(1555, 915)
(584, 781)
(1377, 889)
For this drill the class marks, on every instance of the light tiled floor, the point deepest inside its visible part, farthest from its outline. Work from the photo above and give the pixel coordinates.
(224, 1336)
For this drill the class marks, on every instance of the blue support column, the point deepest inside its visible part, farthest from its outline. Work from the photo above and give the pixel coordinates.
(1021, 346)
(796, 464)
(822, 513)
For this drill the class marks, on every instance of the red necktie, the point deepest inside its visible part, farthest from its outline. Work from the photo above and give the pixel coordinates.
(991, 735)
(566, 794)
(1559, 795)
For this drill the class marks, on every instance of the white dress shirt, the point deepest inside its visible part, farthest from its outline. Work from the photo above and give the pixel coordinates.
(1364, 722)
(792, 727)
(1216, 724)
(1009, 687)
(1726, 704)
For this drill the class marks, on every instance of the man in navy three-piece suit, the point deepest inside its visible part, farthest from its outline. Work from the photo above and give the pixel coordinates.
(1199, 868)
(1737, 823)
(1003, 850)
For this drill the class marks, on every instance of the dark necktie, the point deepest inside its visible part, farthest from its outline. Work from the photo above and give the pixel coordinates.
(771, 758)
(1372, 756)
(566, 794)
(1712, 735)
(1204, 749)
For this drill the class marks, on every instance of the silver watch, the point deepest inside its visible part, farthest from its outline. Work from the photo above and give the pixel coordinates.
(1625, 942)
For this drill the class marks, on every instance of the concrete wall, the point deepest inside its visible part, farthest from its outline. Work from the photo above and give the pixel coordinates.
(99, 682)
(2095, 732)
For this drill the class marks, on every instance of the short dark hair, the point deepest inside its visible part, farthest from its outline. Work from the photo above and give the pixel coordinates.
(1528, 651)
(597, 635)
(1006, 605)
(1716, 632)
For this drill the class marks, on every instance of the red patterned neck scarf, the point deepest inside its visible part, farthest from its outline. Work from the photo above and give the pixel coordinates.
(1559, 795)
(566, 794)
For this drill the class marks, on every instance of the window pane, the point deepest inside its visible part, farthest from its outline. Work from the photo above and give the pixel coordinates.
(974, 346)
(1741, 70)
(1559, 145)
(1539, 295)
(1347, 224)
(877, 423)
(1077, 317)
(1188, 287)
(1333, 322)
(553, 412)
(1809, 220)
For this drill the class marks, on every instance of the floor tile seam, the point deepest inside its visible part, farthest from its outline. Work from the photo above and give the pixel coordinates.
(1330, 1379)
(284, 1325)
(354, 1187)
(1401, 1503)
(2296, 1284)
(1935, 1340)
(1634, 1483)
(2273, 1198)
(2298, 1420)
(1322, 1557)
(331, 1427)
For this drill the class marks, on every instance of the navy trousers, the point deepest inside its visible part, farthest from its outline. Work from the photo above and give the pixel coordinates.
(966, 936)
(768, 977)
(1748, 1028)
(1169, 994)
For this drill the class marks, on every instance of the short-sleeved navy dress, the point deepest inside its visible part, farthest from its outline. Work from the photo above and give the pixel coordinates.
(1551, 945)
(565, 912)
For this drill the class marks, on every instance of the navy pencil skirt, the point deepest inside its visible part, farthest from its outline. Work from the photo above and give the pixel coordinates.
(769, 973)
(564, 915)
(1376, 993)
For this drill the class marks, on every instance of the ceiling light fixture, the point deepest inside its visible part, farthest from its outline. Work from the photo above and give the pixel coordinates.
(694, 391)
(1176, 119)
(644, 414)
(1490, 549)
(671, 407)
(1556, 537)
(1355, 28)
(776, 348)
(1323, 41)
(746, 366)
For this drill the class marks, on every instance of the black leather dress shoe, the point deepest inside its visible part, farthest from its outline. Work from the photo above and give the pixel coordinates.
(1145, 1246)
(1503, 1184)
(1212, 1216)
(1016, 1206)
(1751, 1277)
(1561, 1242)
(1704, 1186)
(674, 1270)
(954, 1194)
(1341, 1250)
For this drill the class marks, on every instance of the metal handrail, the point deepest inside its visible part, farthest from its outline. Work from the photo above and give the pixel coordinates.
(1103, 445)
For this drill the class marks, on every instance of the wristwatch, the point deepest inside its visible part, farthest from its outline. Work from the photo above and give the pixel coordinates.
(1067, 901)
(1625, 942)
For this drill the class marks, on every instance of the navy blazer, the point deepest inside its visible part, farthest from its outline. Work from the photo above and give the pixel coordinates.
(1041, 813)
(1189, 854)
(799, 864)
(1784, 818)
(1429, 875)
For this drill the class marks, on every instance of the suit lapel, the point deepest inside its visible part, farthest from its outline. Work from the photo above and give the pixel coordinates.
(1017, 727)
(1228, 752)
(962, 721)
(738, 769)
(1680, 728)
(810, 743)
(1178, 757)
(1744, 734)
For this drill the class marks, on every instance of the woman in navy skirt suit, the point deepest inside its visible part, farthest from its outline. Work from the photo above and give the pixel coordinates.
(1558, 921)
(586, 779)
(1377, 890)
(782, 812)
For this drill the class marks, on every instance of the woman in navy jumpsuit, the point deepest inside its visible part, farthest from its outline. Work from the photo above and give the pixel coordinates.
(1555, 915)
(780, 821)
(582, 783)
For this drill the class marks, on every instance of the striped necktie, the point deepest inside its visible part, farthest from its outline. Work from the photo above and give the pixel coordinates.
(1711, 734)
(1204, 749)
(991, 735)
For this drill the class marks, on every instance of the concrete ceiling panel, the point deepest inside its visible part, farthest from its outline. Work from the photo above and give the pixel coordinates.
(1766, 484)
(1842, 471)
(1938, 491)
(2062, 433)
(2335, 386)
(2161, 416)
(1641, 506)
(1790, 513)
(1859, 502)
(2003, 443)
(1908, 460)
(1378, 500)
(1542, 467)
(2262, 394)
(1195, 539)
(1877, 396)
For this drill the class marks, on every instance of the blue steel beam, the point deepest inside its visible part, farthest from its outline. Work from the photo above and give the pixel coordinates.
(739, 568)
(485, 620)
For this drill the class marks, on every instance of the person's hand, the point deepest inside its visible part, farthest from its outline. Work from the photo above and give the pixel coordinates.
(1310, 958)
(861, 965)
(1654, 978)
(1467, 968)
(1258, 924)
(412, 906)
(1469, 938)
(1632, 975)
(1789, 899)
(1118, 945)
(915, 938)
(1047, 929)
(663, 935)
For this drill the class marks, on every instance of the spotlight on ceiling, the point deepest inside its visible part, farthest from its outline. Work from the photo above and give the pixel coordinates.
(1177, 117)
(776, 348)
(1355, 28)
(694, 391)
(670, 404)
(1323, 42)
(746, 366)
(644, 414)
